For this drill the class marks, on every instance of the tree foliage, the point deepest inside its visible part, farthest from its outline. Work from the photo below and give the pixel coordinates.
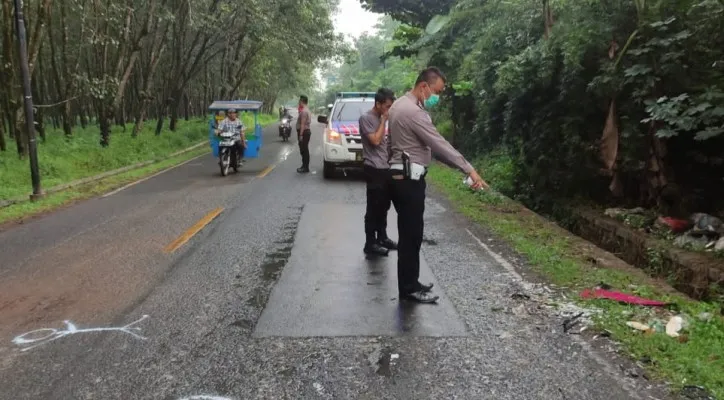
(616, 101)
(118, 61)
(367, 67)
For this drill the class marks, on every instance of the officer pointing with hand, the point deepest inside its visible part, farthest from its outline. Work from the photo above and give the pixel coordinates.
(413, 139)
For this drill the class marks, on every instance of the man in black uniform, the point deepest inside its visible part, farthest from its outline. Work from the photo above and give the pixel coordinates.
(375, 149)
(413, 138)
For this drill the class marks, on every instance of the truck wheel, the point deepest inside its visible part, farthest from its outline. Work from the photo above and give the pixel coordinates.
(328, 170)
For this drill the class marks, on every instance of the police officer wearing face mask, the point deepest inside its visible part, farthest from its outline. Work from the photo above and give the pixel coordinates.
(413, 139)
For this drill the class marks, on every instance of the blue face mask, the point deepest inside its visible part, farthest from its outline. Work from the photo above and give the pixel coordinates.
(432, 100)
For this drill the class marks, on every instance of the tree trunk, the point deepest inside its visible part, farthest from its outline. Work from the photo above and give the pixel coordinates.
(104, 120)
(83, 117)
(159, 124)
(3, 145)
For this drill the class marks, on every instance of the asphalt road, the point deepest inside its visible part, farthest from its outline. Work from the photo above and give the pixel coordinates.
(272, 300)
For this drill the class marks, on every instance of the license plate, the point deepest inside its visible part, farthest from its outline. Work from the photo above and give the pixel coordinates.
(226, 143)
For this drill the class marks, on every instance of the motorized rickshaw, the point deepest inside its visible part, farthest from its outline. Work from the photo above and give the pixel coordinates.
(253, 134)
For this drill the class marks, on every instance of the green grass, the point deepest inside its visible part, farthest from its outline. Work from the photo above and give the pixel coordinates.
(554, 254)
(65, 197)
(64, 160)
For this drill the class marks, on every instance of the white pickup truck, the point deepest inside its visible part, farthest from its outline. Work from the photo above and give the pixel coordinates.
(342, 140)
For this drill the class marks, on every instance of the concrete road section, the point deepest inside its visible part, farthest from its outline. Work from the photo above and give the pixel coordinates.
(347, 294)
(193, 286)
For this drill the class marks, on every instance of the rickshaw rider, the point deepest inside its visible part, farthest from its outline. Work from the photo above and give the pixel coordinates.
(232, 124)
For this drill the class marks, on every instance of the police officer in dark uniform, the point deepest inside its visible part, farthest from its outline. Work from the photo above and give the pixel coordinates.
(375, 149)
(413, 139)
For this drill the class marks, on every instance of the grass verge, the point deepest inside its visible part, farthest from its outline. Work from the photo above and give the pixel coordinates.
(695, 359)
(63, 160)
(69, 196)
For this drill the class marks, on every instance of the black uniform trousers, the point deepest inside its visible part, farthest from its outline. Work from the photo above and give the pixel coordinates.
(408, 196)
(304, 146)
(378, 203)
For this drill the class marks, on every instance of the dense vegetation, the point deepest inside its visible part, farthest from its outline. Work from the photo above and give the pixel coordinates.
(100, 63)
(606, 100)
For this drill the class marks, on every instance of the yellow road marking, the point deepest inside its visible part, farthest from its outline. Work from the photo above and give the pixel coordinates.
(266, 171)
(186, 236)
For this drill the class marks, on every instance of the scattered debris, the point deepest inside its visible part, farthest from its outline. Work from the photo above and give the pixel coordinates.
(632, 373)
(695, 393)
(719, 245)
(674, 325)
(705, 223)
(638, 326)
(699, 232)
(620, 297)
(619, 212)
(674, 224)
(705, 316)
(569, 323)
(688, 240)
(520, 296)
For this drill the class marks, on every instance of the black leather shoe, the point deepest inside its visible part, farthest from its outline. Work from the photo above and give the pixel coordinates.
(424, 288)
(302, 170)
(387, 243)
(376, 249)
(420, 297)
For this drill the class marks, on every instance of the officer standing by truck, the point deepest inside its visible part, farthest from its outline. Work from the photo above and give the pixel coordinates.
(304, 132)
(375, 150)
(413, 139)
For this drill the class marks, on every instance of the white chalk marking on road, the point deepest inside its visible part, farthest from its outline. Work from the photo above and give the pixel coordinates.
(51, 334)
(152, 176)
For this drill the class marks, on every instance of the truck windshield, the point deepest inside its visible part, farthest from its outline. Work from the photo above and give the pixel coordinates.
(351, 111)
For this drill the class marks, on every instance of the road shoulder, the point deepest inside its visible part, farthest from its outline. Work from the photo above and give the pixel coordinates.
(543, 252)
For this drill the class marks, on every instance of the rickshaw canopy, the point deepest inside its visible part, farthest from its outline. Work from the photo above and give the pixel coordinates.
(239, 105)
(253, 135)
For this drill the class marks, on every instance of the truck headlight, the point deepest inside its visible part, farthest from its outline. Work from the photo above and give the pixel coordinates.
(334, 137)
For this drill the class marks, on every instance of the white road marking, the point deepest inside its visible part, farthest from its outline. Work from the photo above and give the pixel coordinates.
(152, 176)
(610, 369)
(497, 257)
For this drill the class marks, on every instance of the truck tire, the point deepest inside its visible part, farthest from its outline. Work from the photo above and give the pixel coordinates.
(328, 170)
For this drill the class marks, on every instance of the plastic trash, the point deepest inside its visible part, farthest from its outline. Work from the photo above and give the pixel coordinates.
(674, 325)
(638, 326)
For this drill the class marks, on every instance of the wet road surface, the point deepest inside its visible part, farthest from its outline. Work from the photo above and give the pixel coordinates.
(272, 299)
